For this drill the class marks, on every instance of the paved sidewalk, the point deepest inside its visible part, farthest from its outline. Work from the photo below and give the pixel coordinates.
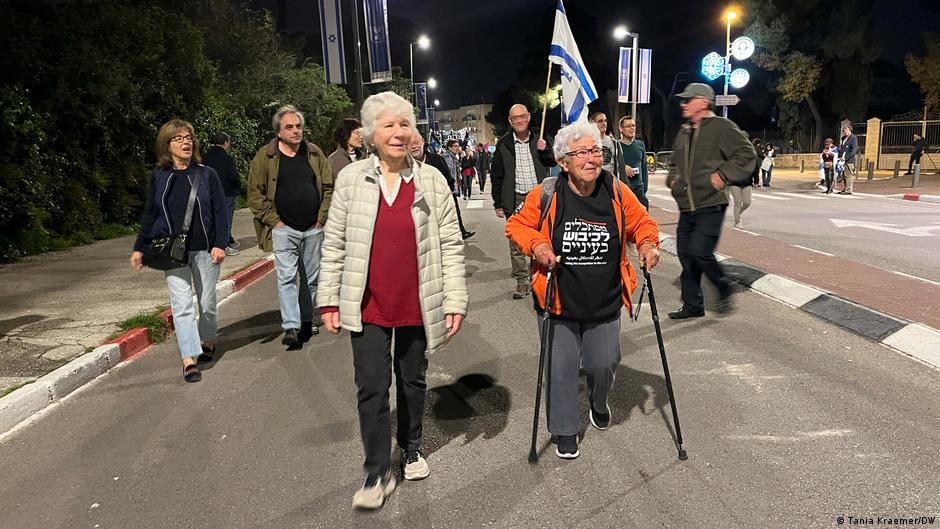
(883, 183)
(56, 306)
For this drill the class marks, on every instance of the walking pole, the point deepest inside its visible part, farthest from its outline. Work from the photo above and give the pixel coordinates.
(662, 353)
(546, 337)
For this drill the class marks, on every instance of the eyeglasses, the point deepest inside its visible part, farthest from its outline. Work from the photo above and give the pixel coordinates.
(584, 153)
(180, 138)
(520, 117)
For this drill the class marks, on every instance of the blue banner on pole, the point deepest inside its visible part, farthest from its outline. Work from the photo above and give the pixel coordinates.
(380, 57)
(421, 102)
(623, 84)
(331, 31)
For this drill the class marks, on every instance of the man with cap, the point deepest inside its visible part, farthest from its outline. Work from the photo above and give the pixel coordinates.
(709, 153)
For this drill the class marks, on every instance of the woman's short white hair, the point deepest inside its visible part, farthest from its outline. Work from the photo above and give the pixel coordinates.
(572, 133)
(385, 103)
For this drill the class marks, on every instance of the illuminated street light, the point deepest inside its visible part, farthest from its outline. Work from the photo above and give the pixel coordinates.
(740, 77)
(620, 32)
(437, 102)
(424, 42)
(432, 83)
(742, 48)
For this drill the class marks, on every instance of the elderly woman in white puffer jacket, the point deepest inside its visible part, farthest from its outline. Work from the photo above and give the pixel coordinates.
(392, 265)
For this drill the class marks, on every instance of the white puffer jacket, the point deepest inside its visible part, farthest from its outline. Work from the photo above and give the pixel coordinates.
(347, 246)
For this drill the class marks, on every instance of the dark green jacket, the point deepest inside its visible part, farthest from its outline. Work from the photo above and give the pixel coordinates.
(262, 188)
(717, 146)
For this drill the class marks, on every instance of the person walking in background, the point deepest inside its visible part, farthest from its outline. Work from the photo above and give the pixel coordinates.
(219, 159)
(420, 153)
(451, 156)
(393, 275)
(709, 153)
(467, 166)
(483, 164)
(608, 163)
(520, 163)
(920, 146)
(848, 149)
(828, 159)
(167, 201)
(759, 150)
(348, 138)
(630, 160)
(289, 190)
(742, 194)
(767, 164)
(594, 280)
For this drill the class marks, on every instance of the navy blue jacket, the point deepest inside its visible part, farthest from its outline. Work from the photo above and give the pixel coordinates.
(155, 220)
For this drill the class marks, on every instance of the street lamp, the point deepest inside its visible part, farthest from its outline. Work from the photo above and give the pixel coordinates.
(424, 43)
(432, 83)
(437, 102)
(621, 32)
(729, 15)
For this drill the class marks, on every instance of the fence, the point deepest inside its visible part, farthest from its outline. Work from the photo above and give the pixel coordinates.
(897, 137)
(807, 141)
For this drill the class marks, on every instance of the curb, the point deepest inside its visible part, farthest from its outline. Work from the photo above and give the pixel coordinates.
(32, 398)
(911, 338)
(921, 198)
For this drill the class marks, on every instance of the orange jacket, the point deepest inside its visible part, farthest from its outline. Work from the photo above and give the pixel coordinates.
(521, 228)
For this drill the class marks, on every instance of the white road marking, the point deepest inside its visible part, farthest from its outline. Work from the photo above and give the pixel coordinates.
(750, 232)
(913, 231)
(807, 196)
(768, 197)
(812, 250)
(915, 277)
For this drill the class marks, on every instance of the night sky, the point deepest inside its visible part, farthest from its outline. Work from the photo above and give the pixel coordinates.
(480, 47)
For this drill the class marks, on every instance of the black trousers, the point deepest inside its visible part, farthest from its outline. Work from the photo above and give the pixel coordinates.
(373, 362)
(696, 238)
(915, 158)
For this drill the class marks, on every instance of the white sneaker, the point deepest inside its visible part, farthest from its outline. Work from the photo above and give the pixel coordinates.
(231, 251)
(372, 496)
(415, 466)
(737, 225)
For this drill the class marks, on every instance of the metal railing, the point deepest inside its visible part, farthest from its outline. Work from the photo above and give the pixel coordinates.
(807, 141)
(897, 137)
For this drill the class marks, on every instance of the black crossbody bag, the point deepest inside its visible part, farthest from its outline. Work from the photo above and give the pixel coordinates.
(169, 252)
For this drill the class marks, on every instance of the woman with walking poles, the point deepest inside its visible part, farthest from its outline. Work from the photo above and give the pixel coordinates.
(185, 207)
(392, 268)
(578, 226)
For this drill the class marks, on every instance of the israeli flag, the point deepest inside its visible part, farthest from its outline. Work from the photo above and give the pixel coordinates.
(577, 88)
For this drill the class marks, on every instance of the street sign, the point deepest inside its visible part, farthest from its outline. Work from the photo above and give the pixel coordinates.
(727, 101)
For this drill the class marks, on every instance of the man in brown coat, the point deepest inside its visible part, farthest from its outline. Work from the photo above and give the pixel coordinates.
(290, 185)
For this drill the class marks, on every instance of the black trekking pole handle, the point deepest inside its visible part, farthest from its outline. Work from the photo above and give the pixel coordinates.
(544, 350)
(662, 353)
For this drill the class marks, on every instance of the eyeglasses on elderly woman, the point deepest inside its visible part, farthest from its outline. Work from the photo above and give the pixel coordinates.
(584, 153)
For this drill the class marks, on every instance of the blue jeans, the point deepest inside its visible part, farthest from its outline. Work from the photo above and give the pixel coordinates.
(202, 274)
(296, 253)
(230, 208)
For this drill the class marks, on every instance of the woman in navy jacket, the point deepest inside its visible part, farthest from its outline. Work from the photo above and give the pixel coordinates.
(177, 152)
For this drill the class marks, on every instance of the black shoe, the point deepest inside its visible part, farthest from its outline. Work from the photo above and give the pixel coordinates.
(599, 420)
(467, 234)
(567, 447)
(908, 174)
(685, 312)
(291, 340)
(307, 331)
(725, 302)
(208, 355)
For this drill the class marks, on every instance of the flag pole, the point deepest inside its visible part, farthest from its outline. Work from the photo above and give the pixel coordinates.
(548, 80)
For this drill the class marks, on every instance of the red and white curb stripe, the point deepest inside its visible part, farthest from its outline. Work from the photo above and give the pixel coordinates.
(24, 402)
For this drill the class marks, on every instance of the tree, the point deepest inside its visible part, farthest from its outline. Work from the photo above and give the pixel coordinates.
(925, 71)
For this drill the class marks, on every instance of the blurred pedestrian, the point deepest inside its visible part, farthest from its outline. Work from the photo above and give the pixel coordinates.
(483, 164)
(451, 157)
(608, 163)
(767, 164)
(590, 218)
(290, 185)
(920, 147)
(848, 150)
(828, 159)
(520, 163)
(709, 153)
(348, 138)
(420, 153)
(630, 158)
(467, 167)
(219, 158)
(759, 151)
(169, 197)
(392, 272)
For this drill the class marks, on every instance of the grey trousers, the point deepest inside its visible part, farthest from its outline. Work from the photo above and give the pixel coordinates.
(741, 197)
(595, 348)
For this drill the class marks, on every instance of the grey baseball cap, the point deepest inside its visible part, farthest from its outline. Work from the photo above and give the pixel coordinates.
(697, 90)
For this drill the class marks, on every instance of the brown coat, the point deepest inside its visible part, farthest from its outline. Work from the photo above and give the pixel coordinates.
(262, 188)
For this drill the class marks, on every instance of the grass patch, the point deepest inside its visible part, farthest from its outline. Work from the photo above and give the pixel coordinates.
(11, 389)
(156, 327)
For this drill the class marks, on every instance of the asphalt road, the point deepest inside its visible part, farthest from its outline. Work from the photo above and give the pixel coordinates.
(788, 421)
(894, 235)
